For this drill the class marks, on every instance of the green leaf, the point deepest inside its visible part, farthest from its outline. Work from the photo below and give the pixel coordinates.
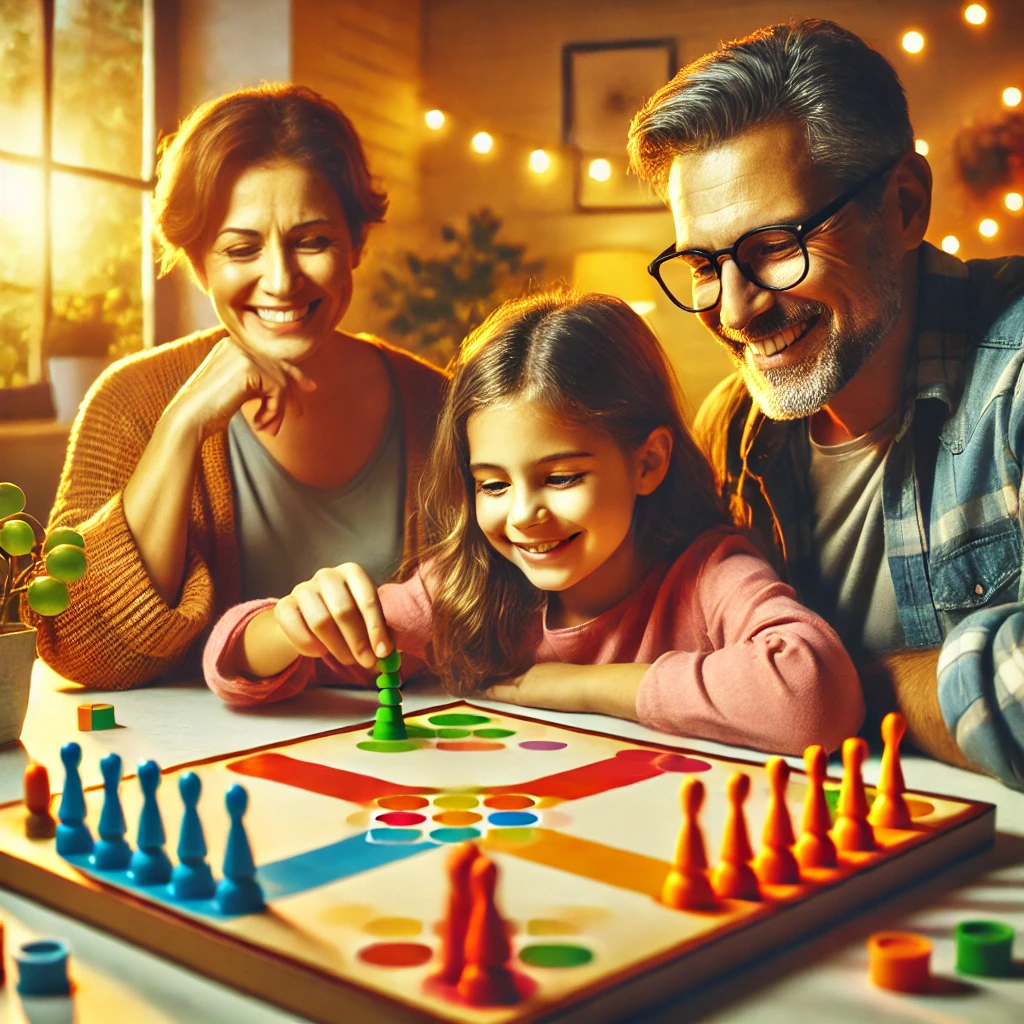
(16, 537)
(48, 596)
(66, 562)
(12, 500)
(63, 535)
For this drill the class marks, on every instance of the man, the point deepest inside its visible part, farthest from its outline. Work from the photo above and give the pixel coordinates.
(874, 429)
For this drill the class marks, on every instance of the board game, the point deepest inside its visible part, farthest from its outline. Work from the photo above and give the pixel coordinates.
(350, 837)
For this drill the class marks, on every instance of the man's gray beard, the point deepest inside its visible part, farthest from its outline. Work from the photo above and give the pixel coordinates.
(793, 392)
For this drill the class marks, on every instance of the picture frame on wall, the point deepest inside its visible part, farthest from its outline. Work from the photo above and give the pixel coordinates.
(603, 85)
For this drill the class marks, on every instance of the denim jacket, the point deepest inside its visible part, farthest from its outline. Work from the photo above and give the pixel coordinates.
(951, 497)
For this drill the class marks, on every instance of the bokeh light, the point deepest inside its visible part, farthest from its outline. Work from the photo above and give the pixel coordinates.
(539, 161)
(482, 142)
(988, 227)
(1012, 96)
(600, 169)
(975, 14)
(913, 42)
(950, 244)
(920, 146)
(1014, 201)
(435, 119)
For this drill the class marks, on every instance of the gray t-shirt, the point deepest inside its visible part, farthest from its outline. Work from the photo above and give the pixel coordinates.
(849, 540)
(287, 530)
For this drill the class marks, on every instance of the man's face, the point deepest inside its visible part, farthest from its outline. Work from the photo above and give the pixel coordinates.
(798, 348)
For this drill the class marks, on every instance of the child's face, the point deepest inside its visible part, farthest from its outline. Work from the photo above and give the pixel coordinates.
(556, 499)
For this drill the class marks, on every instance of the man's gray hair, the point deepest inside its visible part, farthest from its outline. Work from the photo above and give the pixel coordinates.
(813, 73)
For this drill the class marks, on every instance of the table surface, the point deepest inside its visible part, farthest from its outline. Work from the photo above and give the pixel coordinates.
(821, 980)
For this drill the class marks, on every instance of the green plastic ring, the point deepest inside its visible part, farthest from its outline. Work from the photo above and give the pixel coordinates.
(392, 663)
(984, 948)
(388, 681)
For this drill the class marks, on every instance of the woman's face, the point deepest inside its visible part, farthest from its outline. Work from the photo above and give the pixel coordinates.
(280, 264)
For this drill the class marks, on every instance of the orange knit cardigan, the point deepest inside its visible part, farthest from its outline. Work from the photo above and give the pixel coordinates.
(118, 632)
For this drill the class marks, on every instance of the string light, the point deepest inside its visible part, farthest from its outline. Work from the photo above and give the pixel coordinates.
(1012, 96)
(539, 161)
(482, 143)
(913, 42)
(988, 227)
(600, 169)
(975, 14)
(920, 146)
(1014, 201)
(435, 119)
(950, 244)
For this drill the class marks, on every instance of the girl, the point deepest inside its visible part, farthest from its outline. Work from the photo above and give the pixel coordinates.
(578, 558)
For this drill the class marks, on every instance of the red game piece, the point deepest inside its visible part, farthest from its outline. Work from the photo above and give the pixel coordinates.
(890, 807)
(453, 938)
(687, 886)
(852, 831)
(733, 877)
(814, 848)
(39, 823)
(486, 979)
(775, 864)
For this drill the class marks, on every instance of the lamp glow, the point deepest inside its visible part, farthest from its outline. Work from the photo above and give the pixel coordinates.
(913, 42)
(600, 169)
(435, 119)
(539, 161)
(920, 146)
(482, 142)
(950, 244)
(1012, 96)
(975, 14)
(1014, 201)
(988, 227)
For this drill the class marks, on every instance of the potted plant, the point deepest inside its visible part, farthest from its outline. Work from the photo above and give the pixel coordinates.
(39, 565)
(79, 338)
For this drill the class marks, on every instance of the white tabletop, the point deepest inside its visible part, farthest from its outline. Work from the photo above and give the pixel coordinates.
(821, 980)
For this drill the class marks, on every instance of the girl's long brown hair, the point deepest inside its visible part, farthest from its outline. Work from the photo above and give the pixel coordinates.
(591, 359)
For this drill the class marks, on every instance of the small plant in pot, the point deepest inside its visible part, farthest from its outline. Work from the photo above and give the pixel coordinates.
(39, 565)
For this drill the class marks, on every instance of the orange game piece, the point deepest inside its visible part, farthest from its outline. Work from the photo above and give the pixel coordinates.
(775, 863)
(733, 877)
(486, 979)
(687, 886)
(852, 831)
(890, 807)
(900, 961)
(453, 937)
(814, 848)
(39, 823)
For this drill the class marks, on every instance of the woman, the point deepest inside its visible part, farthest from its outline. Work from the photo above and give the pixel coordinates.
(235, 462)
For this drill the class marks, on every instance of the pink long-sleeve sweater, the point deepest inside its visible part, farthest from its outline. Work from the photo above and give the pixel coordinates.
(733, 656)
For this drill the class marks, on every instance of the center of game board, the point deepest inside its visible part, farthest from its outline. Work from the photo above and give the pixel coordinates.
(454, 731)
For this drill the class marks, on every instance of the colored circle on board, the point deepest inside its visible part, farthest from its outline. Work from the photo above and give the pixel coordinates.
(542, 745)
(457, 818)
(555, 954)
(453, 734)
(509, 802)
(513, 835)
(479, 746)
(401, 819)
(637, 754)
(458, 719)
(393, 927)
(454, 835)
(419, 732)
(388, 746)
(402, 803)
(512, 819)
(493, 734)
(396, 954)
(456, 801)
(680, 763)
(394, 836)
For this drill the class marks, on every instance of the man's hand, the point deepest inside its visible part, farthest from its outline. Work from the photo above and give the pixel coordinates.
(599, 689)
(906, 681)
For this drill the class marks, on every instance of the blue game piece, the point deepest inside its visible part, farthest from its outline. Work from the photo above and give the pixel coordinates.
(73, 835)
(150, 864)
(191, 878)
(111, 852)
(43, 968)
(238, 892)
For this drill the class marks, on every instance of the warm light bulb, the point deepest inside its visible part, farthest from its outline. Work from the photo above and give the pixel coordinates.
(988, 227)
(1012, 96)
(1014, 201)
(600, 169)
(950, 244)
(435, 119)
(539, 161)
(920, 146)
(975, 14)
(482, 142)
(913, 42)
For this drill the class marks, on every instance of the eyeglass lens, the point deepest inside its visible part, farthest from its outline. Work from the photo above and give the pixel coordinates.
(771, 258)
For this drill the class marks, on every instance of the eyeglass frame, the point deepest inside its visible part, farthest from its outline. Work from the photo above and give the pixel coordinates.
(799, 231)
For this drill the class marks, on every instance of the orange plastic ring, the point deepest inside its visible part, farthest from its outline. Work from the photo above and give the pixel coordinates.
(900, 961)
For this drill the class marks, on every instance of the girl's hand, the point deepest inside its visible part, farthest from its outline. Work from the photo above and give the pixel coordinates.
(337, 612)
(601, 689)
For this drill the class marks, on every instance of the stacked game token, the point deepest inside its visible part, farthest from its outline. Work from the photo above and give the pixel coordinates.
(388, 723)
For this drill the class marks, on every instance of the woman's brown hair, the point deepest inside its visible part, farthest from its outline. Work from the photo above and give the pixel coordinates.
(591, 359)
(247, 128)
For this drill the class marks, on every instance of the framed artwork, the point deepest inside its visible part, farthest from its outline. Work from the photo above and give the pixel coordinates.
(603, 86)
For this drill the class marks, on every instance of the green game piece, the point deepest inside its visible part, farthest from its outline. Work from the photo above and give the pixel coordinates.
(390, 697)
(392, 663)
(103, 717)
(390, 715)
(388, 681)
(984, 948)
(389, 731)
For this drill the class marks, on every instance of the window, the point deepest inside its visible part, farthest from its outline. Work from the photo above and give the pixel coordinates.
(76, 166)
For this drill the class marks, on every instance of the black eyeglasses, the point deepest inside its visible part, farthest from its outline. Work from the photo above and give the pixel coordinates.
(773, 257)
